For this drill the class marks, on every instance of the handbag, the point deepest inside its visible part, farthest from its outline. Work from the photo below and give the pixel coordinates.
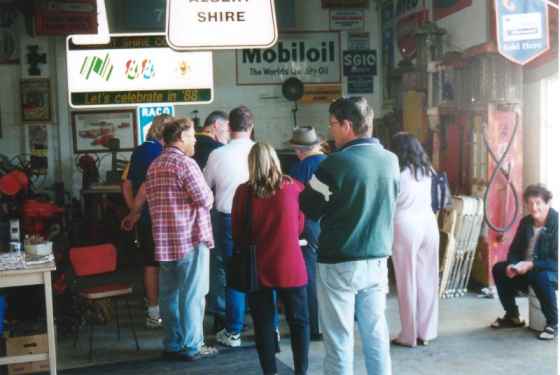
(441, 194)
(242, 272)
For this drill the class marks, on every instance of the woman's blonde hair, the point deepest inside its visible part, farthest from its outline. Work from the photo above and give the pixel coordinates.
(155, 132)
(265, 172)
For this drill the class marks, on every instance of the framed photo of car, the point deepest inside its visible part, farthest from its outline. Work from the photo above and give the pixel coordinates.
(104, 131)
(35, 100)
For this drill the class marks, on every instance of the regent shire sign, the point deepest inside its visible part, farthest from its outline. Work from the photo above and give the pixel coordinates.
(312, 57)
(214, 24)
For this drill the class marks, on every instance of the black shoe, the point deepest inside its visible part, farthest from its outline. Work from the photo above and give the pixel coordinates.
(181, 356)
(316, 337)
(219, 324)
(508, 322)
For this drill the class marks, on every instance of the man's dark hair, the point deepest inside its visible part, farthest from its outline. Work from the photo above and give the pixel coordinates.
(174, 128)
(215, 116)
(537, 190)
(241, 119)
(356, 110)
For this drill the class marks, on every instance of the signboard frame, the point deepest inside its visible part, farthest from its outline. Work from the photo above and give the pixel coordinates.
(292, 33)
(223, 44)
(355, 22)
(499, 32)
(352, 70)
(174, 94)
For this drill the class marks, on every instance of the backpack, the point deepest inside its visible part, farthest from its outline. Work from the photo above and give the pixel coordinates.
(441, 194)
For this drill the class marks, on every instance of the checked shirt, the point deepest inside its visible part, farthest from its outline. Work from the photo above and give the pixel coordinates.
(179, 201)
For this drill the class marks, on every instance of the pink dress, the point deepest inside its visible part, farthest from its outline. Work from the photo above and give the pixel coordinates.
(415, 260)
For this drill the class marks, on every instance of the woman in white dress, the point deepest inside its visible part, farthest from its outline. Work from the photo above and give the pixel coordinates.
(416, 245)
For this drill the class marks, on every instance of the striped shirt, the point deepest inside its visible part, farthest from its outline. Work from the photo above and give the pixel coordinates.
(179, 200)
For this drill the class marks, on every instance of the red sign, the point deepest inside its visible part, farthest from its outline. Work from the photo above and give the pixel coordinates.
(406, 30)
(64, 17)
(443, 8)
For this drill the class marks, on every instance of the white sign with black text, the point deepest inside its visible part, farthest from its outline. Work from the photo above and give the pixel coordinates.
(220, 24)
(312, 57)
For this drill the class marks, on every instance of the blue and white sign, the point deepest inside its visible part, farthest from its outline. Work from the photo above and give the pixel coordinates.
(522, 29)
(146, 114)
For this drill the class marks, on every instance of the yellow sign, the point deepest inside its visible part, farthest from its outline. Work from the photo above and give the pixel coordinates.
(321, 93)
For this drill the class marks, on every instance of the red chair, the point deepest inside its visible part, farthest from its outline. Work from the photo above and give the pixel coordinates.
(95, 265)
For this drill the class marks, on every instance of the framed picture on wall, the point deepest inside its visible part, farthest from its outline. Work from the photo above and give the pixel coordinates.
(104, 131)
(35, 100)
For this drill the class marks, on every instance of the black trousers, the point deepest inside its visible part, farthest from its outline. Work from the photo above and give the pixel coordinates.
(262, 311)
(545, 290)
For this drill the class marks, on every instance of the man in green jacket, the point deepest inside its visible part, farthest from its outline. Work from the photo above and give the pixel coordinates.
(359, 187)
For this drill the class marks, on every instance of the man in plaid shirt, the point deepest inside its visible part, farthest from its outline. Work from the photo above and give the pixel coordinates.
(180, 200)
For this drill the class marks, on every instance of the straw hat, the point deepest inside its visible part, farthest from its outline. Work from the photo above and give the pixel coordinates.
(304, 136)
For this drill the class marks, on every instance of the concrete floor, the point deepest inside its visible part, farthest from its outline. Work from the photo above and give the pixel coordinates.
(465, 345)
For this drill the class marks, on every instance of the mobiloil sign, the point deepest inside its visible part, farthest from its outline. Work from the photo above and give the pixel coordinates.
(313, 57)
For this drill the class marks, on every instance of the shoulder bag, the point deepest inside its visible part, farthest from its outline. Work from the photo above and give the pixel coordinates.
(242, 272)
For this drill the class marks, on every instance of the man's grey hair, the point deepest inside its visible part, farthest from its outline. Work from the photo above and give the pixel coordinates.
(305, 149)
(216, 116)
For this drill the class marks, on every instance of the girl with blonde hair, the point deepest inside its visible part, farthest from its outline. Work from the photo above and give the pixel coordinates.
(275, 225)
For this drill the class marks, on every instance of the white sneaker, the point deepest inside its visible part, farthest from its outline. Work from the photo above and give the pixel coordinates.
(154, 322)
(549, 333)
(233, 340)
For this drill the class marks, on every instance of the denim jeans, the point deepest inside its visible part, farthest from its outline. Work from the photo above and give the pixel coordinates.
(263, 311)
(217, 294)
(183, 285)
(310, 257)
(347, 290)
(235, 301)
(544, 287)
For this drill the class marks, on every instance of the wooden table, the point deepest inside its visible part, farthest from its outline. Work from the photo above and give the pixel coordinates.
(34, 275)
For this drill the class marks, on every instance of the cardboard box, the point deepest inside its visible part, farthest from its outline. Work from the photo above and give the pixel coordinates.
(27, 345)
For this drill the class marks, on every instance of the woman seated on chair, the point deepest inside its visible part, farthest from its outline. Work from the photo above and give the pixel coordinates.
(532, 261)
(275, 225)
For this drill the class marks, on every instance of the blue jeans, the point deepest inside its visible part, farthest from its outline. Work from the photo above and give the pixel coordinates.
(220, 295)
(541, 282)
(347, 290)
(183, 285)
(310, 257)
(217, 294)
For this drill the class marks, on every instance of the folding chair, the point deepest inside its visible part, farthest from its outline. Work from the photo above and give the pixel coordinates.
(93, 267)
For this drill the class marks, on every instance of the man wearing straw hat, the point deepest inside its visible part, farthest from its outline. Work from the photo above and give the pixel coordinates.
(307, 147)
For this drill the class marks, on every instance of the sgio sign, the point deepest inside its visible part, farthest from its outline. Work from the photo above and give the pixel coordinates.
(359, 62)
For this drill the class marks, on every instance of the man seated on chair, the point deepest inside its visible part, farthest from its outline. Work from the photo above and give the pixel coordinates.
(532, 261)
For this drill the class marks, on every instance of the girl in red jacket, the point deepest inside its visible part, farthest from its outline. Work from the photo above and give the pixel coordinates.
(276, 223)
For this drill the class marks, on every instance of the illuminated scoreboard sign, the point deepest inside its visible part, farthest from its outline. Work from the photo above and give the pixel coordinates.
(132, 70)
